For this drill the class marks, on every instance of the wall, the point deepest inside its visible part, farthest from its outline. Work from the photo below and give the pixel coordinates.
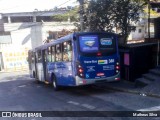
(26, 36)
(137, 35)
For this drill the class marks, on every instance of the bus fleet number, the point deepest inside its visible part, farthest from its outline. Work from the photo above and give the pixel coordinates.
(111, 60)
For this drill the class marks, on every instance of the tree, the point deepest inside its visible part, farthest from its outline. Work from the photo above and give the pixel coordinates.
(71, 14)
(99, 16)
(105, 15)
(126, 13)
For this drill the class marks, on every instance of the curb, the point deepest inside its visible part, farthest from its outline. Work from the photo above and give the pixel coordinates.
(132, 91)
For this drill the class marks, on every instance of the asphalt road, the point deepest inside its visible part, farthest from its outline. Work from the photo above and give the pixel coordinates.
(18, 92)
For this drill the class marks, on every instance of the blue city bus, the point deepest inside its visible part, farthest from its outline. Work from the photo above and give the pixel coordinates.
(77, 59)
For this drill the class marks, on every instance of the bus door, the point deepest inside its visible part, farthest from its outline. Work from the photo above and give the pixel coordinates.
(44, 63)
(32, 66)
(30, 63)
(39, 65)
(35, 65)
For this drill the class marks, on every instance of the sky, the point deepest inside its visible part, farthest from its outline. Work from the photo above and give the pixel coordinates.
(10, 6)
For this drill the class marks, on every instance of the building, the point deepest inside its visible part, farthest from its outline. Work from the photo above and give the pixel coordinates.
(20, 32)
(141, 31)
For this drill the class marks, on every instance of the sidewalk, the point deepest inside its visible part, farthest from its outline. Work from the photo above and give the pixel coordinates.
(12, 71)
(152, 89)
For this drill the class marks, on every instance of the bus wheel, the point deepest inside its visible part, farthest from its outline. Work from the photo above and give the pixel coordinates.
(54, 83)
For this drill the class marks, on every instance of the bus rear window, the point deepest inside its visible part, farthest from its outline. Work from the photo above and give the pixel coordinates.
(107, 44)
(92, 44)
(89, 44)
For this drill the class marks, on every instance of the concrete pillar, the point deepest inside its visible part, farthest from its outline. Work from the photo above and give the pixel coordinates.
(34, 19)
(9, 19)
(36, 36)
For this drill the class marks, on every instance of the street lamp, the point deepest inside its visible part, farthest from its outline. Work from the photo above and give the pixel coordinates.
(81, 13)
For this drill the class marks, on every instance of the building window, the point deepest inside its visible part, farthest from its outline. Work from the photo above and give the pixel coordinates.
(139, 30)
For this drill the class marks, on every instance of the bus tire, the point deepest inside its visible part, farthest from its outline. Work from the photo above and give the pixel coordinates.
(54, 83)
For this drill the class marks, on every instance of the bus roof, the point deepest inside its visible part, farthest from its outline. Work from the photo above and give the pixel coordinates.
(92, 33)
(66, 38)
(62, 39)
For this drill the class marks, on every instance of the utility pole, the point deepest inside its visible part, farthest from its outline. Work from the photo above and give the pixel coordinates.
(81, 14)
(149, 20)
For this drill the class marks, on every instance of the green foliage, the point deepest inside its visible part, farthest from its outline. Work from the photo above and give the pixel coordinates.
(72, 15)
(99, 15)
(105, 15)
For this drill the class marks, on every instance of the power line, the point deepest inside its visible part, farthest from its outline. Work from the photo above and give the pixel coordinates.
(25, 4)
(16, 6)
(57, 7)
(33, 24)
(63, 3)
(9, 8)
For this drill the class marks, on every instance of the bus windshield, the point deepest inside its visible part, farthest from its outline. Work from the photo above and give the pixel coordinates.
(91, 45)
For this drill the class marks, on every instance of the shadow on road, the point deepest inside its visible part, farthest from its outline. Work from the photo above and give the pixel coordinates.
(17, 79)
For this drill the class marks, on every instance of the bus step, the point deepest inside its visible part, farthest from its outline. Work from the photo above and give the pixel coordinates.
(155, 71)
(150, 76)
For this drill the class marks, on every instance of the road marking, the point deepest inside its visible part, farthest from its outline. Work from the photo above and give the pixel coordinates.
(22, 86)
(83, 105)
(156, 108)
(73, 102)
(88, 106)
(5, 80)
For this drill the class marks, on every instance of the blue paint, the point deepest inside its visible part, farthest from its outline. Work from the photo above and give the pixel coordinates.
(85, 47)
(87, 75)
(98, 68)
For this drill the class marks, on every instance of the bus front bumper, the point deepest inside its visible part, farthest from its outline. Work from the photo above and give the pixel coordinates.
(83, 81)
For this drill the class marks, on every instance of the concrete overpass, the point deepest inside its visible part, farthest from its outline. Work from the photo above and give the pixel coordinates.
(30, 16)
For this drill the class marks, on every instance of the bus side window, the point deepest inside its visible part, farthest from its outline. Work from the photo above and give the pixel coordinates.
(49, 57)
(45, 55)
(67, 51)
(53, 53)
(58, 52)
